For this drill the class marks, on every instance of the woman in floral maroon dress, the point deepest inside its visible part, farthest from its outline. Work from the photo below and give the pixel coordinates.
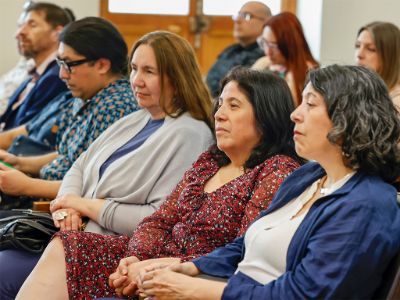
(214, 203)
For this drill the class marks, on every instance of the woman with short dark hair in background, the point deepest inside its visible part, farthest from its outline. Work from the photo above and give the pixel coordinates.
(214, 202)
(334, 224)
(287, 51)
(378, 48)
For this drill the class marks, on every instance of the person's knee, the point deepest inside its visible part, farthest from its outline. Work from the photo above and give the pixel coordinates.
(54, 249)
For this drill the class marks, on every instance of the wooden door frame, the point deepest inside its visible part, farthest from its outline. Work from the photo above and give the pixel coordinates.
(289, 5)
(218, 30)
(286, 5)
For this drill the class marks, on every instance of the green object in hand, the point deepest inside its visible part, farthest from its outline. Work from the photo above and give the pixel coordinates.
(6, 164)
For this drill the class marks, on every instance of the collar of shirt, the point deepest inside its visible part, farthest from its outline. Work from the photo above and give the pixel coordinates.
(42, 67)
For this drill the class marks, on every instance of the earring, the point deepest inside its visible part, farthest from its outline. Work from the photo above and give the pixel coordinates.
(345, 154)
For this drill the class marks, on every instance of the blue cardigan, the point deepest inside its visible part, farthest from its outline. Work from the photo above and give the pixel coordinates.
(339, 251)
(48, 86)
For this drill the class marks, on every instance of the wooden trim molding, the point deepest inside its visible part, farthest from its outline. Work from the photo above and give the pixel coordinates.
(289, 5)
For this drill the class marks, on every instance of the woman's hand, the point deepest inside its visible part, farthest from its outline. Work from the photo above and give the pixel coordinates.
(67, 219)
(147, 272)
(14, 182)
(85, 206)
(162, 283)
(124, 279)
(119, 280)
(66, 212)
(66, 201)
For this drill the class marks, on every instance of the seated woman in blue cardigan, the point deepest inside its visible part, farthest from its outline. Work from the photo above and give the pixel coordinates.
(334, 224)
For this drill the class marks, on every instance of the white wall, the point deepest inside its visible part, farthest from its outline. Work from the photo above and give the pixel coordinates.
(330, 25)
(343, 18)
(310, 14)
(332, 40)
(9, 13)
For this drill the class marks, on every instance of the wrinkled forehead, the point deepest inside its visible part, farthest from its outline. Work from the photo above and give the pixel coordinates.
(38, 16)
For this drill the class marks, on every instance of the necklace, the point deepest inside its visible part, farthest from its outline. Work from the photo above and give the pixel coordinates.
(324, 190)
(331, 187)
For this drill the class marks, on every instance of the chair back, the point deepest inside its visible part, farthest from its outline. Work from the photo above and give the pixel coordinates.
(390, 285)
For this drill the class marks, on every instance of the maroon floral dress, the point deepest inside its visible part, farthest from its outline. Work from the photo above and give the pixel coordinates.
(190, 223)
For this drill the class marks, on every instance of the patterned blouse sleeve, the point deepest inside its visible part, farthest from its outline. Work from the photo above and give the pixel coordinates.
(273, 173)
(148, 239)
(155, 230)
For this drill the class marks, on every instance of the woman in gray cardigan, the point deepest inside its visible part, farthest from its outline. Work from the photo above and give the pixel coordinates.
(130, 169)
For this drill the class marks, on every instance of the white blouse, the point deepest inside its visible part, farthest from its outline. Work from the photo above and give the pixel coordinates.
(267, 240)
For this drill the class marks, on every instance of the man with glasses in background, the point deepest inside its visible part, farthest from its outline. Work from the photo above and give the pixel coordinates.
(248, 26)
(37, 38)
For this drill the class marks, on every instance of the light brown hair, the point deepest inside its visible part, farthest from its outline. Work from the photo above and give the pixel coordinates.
(176, 60)
(386, 37)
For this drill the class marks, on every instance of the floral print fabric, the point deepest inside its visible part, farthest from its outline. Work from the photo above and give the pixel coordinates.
(190, 223)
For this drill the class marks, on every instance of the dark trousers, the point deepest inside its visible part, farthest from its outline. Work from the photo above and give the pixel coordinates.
(15, 267)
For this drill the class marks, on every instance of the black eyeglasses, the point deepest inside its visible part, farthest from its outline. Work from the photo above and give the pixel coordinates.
(246, 16)
(67, 65)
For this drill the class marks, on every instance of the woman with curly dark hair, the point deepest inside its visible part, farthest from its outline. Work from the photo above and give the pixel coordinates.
(334, 224)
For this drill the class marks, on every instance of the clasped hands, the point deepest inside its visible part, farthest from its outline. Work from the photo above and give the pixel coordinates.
(65, 215)
(154, 277)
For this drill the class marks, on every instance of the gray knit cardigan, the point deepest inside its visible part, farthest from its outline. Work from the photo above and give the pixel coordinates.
(135, 185)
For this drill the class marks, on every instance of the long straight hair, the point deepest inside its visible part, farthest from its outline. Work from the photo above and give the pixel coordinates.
(293, 46)
(177, 62)
(386, 37)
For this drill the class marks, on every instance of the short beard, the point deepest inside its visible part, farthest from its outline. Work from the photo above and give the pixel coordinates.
(28, 53)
